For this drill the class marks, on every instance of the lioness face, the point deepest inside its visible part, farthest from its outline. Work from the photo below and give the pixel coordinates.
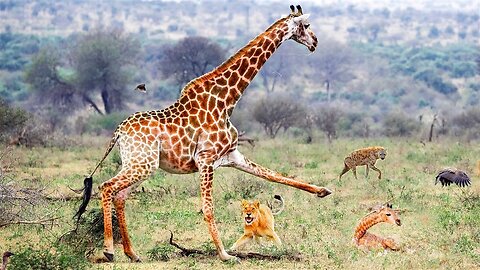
(250, 211)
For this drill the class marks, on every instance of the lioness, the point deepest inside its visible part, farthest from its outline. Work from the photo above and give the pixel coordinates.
(258, 222)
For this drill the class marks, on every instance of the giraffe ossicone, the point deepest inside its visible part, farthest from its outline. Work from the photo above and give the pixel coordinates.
(195, 134)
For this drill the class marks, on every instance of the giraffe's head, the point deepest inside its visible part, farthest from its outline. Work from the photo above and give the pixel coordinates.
(299, 29)
(389, 215)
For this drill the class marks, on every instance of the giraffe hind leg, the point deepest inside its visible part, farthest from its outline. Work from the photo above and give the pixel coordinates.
(115, 191)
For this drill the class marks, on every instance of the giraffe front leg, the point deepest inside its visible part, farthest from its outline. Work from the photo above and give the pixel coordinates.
(237, 160)
(206, 186)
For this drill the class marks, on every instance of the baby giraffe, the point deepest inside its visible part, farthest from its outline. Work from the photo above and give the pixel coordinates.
(367, 240)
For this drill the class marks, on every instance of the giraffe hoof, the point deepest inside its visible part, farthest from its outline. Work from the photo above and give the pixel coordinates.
(109, 256)
(134, 258)
(324, 192)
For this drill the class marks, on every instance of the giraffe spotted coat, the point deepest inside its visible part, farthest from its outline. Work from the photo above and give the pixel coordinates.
(195, 134)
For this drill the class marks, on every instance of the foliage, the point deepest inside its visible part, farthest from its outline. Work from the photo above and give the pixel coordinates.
(100, 60)
(331, 64)
(189, 58)
(15, 49)
(279, 68)
(12, 120)
(104, 123)
(41, 258)
(161, 252)
(47, 85)
(277, 112)
(467, 123)
(327, 119)
(399, 125)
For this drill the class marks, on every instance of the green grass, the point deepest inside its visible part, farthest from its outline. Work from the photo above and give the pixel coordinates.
(440, 229)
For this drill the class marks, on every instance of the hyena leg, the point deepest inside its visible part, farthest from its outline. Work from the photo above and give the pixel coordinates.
(354, 170)
(376, 169)
(345, 170)
(366, 170)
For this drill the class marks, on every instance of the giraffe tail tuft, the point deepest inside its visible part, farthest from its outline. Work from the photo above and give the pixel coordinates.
(87, 194)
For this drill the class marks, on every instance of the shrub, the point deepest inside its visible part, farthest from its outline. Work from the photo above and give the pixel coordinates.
(160, 253)
(12, 120)
(104, 123)
(398, 124)
(278, 112)
(41, 258)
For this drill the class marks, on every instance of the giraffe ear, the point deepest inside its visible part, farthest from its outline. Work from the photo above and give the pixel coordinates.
(301, 19)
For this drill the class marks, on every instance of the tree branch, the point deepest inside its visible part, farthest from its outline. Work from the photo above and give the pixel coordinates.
(90, 101)
(249, 255)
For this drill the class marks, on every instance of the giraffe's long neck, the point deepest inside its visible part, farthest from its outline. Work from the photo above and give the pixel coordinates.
(365, 224)
(229, 80)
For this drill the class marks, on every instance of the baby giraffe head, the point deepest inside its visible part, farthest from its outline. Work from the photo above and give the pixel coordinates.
(389, 215)
(299, 29)
(250, 211)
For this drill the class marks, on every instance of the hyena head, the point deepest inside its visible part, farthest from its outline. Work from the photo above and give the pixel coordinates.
(381, 153)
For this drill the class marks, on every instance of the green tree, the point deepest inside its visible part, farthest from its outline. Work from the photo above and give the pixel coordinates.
(191, 57)
(46, 83)
(100, 61)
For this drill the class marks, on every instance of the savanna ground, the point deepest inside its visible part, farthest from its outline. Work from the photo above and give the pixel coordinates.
(440, 229)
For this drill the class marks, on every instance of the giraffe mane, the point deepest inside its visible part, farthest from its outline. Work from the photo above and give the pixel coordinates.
(234, 58)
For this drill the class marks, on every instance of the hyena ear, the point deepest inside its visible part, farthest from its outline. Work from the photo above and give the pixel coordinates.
(256, 204)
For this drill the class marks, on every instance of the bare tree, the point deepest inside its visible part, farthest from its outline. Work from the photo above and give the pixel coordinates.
(331, 64)
(279, 67)
(191, 57)
(326, 118)
(275, 113)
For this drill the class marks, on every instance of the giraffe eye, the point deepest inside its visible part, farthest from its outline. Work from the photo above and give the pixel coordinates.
(306, 26)
(388, 214)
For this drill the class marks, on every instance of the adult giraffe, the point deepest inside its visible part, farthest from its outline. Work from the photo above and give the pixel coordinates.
(195, 134)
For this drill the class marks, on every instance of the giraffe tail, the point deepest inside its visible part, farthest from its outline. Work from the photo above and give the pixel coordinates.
(87, 194)
(88, 181)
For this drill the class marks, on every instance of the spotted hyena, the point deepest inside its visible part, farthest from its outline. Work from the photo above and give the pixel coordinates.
(365, 156)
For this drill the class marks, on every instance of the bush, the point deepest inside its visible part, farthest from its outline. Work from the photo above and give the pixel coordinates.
(399, 125)
(41, 258)
(278, 112)
(467, 123)
(12, 120)
(99, 124)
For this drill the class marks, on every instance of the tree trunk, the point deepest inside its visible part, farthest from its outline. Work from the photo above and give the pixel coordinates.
(431, 128)
(106, 102)
(327, 87)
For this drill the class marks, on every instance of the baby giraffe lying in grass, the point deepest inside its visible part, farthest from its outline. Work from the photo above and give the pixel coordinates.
(258, 222)
(364, 239)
